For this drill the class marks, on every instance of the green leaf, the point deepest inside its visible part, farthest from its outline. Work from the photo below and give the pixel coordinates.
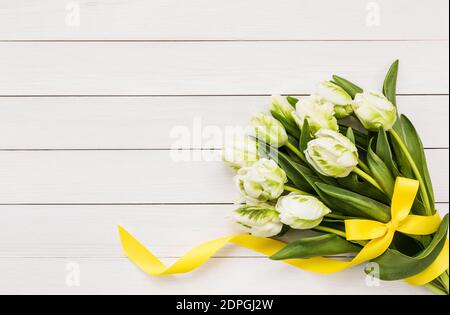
(309, 176)
(294, 157)
(364, 188)
(312, 178)
(400, 158)
(361, 139)
(395, 265)
(292, 100)
(292, 139)
(415, 147)
(380, 172)
(291, 129)
(284, 230)
(418, 208)
(328, 244)
(349, 87)
(406, 244)
(350, 135)
(356, 204)
(305, 136)
(383, 150)
(390, 83)
(390, 91)
(326, 179)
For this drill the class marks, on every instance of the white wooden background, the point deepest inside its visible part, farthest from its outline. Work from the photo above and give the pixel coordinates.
(86, 113)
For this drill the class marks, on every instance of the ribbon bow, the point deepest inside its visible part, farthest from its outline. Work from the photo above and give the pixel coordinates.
(379, 234)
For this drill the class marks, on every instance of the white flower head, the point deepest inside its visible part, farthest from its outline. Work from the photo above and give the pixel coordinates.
(241, 152)
(260, 220)
(262, 181)
(375, 111)
(318, 112)
(281, 106)
(301, 211)
(332, 154)
(268, 129)
(337, 96)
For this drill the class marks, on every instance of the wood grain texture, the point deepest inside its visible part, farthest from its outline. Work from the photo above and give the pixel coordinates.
(148, 122)
(91, 231)
(171, 176)
(207, 60)
(224, 20)
(251, 276)
(215, 68)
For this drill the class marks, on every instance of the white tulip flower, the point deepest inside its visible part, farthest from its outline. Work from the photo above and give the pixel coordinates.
(337, 96)
(332, 154)
(260, 220)
(301, 211)
(268, 129)
(241, 152)
(262, 181)
(375, 111)
(281, 106)
(318, 112)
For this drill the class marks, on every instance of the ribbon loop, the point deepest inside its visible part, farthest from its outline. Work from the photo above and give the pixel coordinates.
(405, 192)
(420, 225)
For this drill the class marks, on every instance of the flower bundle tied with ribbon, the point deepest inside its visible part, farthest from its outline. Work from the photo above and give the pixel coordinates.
(344, 164)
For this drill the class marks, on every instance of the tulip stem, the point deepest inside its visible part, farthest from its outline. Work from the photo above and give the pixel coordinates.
(435, 289)
(293, 189)
(296, 151)
(330, 230)
(423, 191)
(444, 280)
(368, 178)
(364, 166)
(336, 216)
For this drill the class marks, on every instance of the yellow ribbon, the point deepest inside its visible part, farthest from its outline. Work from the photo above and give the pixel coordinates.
(379, 234)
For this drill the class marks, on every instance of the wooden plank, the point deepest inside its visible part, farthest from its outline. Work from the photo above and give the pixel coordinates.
(205, 68)
(137, 177)
(168, 231)
(147, 122)
(252, 276)
(226, 20)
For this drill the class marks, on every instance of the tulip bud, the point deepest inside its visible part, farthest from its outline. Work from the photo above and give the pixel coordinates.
(282, 107)
(318, 113)
(241, 152)
(332, 154)
(268, 129)
(260, 220)
(262, 181)
(374, 110)
(337, 96)
(301, 211)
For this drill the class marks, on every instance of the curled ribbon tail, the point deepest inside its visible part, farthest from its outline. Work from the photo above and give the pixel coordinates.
(380, 236)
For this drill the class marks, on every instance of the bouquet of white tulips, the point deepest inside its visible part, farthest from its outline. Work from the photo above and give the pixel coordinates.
(321, 161)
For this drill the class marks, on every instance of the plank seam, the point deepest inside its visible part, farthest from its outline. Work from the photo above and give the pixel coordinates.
(138, 149)
(214, 40)
(142, 204)
(126, 259)
(176, 95)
